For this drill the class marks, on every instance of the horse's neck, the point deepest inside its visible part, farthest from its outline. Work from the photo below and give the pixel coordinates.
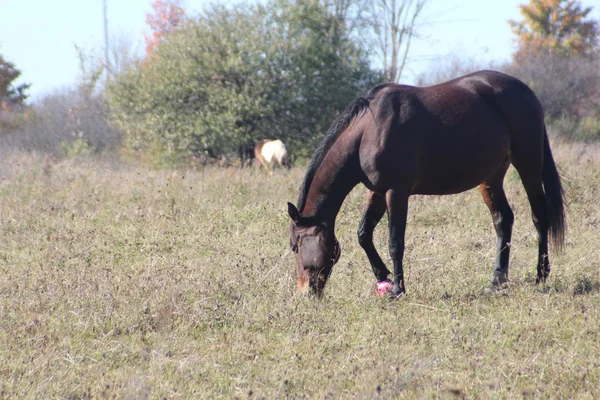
(336, 176)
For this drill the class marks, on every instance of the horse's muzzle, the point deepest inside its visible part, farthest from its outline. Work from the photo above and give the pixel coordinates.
(313, 281)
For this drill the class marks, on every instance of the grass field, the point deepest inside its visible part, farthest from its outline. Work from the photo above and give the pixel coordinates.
(124, 282)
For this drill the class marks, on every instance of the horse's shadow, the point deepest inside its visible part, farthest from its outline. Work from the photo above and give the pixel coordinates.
(583, 285)
(586, 285)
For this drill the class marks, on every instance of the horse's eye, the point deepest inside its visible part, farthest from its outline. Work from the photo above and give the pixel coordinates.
(294, 244)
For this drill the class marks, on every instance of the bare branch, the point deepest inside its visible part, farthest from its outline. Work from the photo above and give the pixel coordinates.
(393, 24)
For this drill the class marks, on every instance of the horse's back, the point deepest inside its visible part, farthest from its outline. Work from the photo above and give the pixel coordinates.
(445, 138)
(272, 151)
(506, 93)
(523, 113)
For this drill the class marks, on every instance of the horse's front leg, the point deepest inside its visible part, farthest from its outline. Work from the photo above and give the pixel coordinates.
(375, 209)
(397, 206)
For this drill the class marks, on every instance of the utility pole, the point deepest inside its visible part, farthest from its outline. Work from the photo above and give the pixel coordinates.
(106, 60)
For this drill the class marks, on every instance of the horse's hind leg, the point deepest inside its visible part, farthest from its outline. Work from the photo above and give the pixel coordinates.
(260, 163)
(397, 205)
(530, 171)
(539, 211)
(503, 217)
(375, 209)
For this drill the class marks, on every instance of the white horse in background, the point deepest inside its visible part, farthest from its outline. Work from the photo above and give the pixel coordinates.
(271, 152)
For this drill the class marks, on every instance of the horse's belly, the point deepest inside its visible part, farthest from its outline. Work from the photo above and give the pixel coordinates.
(268, 152)
(436, 161)
(458, 175)
(452, 185)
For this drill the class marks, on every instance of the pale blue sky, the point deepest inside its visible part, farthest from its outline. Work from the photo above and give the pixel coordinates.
(39, 36)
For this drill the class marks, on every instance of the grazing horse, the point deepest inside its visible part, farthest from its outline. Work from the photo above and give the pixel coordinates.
(271, 152)
(402, 140)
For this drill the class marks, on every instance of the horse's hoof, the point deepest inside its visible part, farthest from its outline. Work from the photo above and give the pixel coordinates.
(397, 291)
(499, 285)
(500, 279)
(384, 287)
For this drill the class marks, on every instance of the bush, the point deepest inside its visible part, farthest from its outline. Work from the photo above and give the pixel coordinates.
(586, 129)
(63, 123)
(568, 87)
(234, 76)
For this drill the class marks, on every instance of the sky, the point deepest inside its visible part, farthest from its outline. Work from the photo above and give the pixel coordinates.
(40, 36)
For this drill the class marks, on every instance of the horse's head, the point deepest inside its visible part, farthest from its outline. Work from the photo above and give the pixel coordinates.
(316, 250)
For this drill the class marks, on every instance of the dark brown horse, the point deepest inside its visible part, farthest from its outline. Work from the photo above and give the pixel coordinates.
(402, 140)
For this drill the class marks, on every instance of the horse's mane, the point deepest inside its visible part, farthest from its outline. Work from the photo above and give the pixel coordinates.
(352, 111)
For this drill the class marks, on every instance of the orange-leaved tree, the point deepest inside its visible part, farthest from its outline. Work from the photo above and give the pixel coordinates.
(555, 27)
(167, 15)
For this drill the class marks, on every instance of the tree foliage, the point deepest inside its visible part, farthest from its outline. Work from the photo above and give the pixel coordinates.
(166, 16)
(559, 27)
(12, 96)
(556, 56)
(232, 76)
(68, 121)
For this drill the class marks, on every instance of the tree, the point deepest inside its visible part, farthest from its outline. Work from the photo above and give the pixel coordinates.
(558, 27)
(386, 27)
(231, 76)
(557, 44)
(167, 15)
(352, 13)
(12, 98)
(568, 87)
(394, 25)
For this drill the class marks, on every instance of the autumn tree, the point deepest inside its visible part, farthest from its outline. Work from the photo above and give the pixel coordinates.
(556, 56)
(167, 15)
(558, 27)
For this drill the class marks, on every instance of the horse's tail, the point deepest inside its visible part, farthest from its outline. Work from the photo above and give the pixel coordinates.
(555, 197)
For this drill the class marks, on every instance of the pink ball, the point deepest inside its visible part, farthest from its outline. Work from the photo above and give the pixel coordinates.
(383, 288)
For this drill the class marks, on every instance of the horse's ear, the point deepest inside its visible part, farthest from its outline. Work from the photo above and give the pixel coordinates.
(293, 211)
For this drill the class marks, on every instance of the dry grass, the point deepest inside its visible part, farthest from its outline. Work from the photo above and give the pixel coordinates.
(132, 283)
